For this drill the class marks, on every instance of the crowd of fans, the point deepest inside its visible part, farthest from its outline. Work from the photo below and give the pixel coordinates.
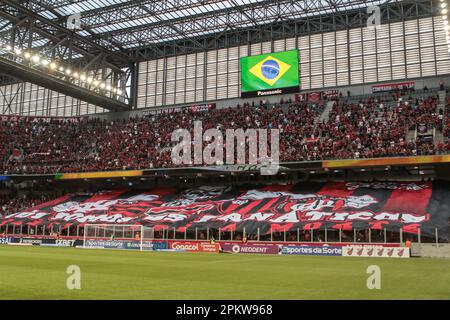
(370, 129)
(13, 202)
(361, 129)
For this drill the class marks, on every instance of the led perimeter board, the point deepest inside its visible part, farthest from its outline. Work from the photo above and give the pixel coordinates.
(269, 74)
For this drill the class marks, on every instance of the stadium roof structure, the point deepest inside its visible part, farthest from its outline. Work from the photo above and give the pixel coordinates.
(141, 22)
(122, 25)
(114, 34)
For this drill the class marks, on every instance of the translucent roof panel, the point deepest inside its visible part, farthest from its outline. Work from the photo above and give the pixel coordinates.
(139, 22)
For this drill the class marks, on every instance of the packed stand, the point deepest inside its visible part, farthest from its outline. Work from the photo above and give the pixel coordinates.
(371, 129)
(13, 202)
(365, 129)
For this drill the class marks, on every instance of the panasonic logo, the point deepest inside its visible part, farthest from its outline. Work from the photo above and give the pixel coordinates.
(265, 93)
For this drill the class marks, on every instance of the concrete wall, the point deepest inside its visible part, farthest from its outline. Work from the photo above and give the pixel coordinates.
(365, 89)
(354, 90)
(430, 250)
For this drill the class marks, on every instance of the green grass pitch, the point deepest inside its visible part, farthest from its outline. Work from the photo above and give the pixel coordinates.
(40, 273)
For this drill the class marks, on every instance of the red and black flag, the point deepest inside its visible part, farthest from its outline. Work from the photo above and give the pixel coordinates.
(412, 206)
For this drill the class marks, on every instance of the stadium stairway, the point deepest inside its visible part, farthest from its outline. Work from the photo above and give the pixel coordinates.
(438, 136)
(411, 135)
(442, 98)
(325, 116)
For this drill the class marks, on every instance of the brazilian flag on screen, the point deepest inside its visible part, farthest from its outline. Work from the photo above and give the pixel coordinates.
(270, 71)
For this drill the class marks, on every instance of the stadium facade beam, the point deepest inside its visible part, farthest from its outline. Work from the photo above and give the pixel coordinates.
(338, 20)
(29, 31)
(26, 35)
(23, 34)
(180, 32)
(139, 9)
(213, 21)
(148, 23)
(34, 76)
(62, 31)
(145, 22)
(63, 19)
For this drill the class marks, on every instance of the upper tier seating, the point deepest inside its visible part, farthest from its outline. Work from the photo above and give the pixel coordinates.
(363, 129)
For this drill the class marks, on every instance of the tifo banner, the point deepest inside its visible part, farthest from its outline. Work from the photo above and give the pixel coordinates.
(330, 94)
(41, 119)
(317, 96)
(375, 251)
(310, 96)
(193, 108)
(314, 96)
(312, 250)
(393, 86)
(306, 206)
(251, 248)
(194, 246)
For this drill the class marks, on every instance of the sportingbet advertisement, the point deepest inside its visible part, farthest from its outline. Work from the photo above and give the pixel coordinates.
(269, 74)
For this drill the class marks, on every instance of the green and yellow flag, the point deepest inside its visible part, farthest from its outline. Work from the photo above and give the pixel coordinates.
(270, 71)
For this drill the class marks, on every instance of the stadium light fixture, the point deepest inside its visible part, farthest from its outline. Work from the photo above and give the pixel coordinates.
(54, 65)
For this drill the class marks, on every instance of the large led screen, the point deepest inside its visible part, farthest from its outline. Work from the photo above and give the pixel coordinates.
(268, 74)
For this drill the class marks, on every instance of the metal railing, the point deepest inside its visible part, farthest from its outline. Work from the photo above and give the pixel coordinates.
(380, 236)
